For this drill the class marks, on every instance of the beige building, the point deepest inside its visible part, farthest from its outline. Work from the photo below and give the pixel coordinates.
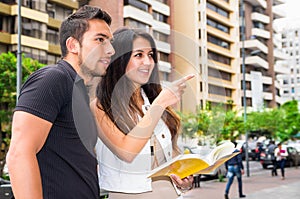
(207, 44)
(193, 36)
(41, 20)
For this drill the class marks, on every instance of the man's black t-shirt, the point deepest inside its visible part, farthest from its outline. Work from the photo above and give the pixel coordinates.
(67, 163)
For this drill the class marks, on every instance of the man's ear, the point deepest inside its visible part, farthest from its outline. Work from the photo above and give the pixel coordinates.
(72, 45)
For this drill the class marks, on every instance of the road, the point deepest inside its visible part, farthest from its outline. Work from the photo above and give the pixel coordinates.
(260, 184)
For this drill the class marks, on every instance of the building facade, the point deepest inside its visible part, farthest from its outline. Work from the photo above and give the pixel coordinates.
(289, 83)
(261, 53)
(40, 21)
(152, 16)
(204, 37)
(207, 43)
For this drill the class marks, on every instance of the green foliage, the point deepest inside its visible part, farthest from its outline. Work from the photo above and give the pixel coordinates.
(217, 124)
(8, 82)
(279, 123)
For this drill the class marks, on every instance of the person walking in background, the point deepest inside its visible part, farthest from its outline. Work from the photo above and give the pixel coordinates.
(235, 167)
(258, 150)
(271, 151)
(281, 154)
(138, 128)
(51, 155)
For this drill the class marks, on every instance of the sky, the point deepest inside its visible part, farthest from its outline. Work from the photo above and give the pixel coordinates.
(292, 12)
(292, 8)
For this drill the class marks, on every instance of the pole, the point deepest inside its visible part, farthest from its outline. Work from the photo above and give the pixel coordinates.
(242, 12)
(19, 52)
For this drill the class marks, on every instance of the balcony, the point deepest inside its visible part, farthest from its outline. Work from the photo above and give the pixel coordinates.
(161, 27)
(257, 61)
(255, 44)
(278, 12)
(260, 17)
(164, 66)
(261, 3)
(161, 7)
(137, 14)
(281, 69)
(279, 55)
(67, 3)
(278, 2)
(260, 33)
(163, 46)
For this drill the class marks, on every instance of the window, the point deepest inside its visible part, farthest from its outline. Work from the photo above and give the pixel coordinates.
(159, 17)
(1, 23)
(162, 1)
(217, 25)
(31, 28)
(36, 54)
(52, 59)
(217, 9)
(160, 36)
(39, 5)
(163, 56)
(218, 41)
(52, 36)
(136, 24)
(138, 4)
(218, 58)
(212, 89)
(219, 74)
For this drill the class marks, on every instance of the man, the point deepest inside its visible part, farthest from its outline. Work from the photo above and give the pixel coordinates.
(51, 154)
(235, 167)
(271, 150)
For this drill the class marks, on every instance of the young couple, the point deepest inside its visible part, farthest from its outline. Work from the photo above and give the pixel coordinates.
(54, 133)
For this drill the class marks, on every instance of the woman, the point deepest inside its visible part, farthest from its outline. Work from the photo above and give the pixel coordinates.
(146, 129)
(281, 154)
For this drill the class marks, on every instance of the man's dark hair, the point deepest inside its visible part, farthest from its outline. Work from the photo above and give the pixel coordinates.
(77, 24)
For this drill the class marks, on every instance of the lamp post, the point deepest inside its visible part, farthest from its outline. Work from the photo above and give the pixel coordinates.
(242, 13)
(19, 52)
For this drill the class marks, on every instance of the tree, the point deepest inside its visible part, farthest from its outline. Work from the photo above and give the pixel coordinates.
(216, 124)
(279, 123)
(8, 78)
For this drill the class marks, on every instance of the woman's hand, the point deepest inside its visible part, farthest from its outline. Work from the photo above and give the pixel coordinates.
(184, 184)
(172, 92)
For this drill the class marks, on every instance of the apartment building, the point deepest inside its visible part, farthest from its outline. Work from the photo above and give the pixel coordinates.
(261, 53)
(195, 36)
(41, 20)
(152, 16)
(207, 43)
(289, 83)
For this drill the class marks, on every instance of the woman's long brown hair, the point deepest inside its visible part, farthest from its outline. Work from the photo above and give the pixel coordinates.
(115, 91)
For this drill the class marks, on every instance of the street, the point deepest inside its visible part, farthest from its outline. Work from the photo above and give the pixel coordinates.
(260, 184)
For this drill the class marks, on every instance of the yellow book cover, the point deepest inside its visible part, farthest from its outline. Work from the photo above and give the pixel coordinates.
(188, 164)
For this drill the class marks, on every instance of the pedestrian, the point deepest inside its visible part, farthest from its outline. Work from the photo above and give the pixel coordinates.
(130, 96)
(51, 154)
(235, 167)
(258, 150)
(271, 150)
(281, 154)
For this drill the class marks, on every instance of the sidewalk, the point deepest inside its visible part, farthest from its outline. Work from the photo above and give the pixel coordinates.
(260, 184)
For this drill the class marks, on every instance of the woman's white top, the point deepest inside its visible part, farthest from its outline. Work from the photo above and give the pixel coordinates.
(281, 154)
(119, 176)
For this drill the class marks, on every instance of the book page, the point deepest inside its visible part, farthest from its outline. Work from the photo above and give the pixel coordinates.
(183, 166)
(217, 164)
(220, 151)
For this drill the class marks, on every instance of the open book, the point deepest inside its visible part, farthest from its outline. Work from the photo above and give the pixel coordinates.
(188, 164)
